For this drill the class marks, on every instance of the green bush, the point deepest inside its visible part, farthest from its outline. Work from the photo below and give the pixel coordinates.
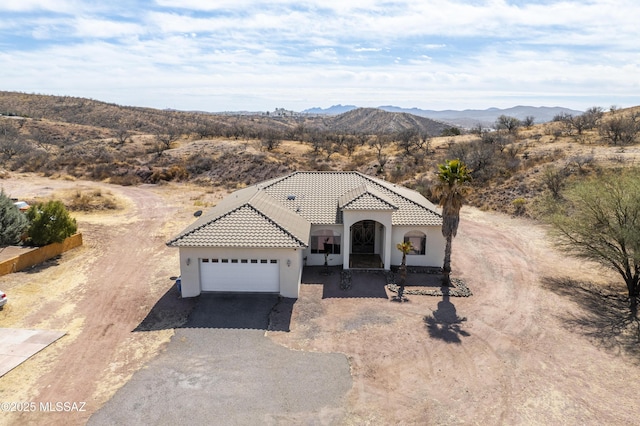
(519, 206)
(50, 223)
(12, 222)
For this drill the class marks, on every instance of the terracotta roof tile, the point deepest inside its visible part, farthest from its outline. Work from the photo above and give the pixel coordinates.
(247, 218)
(363, 197)
(279, 212)
(315, 195)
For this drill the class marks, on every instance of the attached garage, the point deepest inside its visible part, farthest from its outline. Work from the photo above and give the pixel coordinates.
(247, 243)
(240, 275)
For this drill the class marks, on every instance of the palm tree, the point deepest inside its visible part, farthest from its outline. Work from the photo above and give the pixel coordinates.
(405, 248)
(451, 189)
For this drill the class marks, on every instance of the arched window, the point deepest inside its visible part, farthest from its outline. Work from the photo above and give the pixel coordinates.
(325, 241)
(418, 242)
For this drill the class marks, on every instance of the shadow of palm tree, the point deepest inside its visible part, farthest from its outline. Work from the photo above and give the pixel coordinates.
(444, 323)
(605, 318)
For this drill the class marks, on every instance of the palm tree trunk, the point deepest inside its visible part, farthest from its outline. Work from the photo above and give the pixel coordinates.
(403, 276)
(446, 268)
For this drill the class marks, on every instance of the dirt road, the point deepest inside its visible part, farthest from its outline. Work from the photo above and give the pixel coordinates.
(99, 294)
(519, 351)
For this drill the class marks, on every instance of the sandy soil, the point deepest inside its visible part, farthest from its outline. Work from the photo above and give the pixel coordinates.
(98, 293)
(533, 345)
(529, 347)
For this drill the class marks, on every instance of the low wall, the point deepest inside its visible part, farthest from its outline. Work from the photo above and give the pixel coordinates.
(39, 255)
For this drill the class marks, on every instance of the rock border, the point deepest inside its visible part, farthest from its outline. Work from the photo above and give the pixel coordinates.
(459, 289)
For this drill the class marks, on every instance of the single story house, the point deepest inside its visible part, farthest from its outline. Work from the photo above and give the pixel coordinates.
(258, 239)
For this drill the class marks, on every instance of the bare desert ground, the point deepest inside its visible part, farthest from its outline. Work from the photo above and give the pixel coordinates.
(539, 342)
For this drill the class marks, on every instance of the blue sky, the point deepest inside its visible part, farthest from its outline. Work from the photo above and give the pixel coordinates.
(228, 55)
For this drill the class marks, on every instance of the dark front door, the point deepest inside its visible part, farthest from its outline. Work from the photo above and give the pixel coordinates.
(363, 237)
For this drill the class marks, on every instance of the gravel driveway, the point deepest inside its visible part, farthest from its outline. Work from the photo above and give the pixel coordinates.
(221, 369)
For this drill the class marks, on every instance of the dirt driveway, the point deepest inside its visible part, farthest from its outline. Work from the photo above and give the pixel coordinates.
(529, 347)
(98, 293)
(533, 345)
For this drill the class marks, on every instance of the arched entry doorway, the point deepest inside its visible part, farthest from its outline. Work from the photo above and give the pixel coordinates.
(367, 237)
(363, 237)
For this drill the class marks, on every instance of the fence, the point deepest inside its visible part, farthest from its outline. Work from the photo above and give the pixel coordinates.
(39, 255)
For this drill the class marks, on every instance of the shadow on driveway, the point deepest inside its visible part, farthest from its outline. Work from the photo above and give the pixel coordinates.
(220, 368)
(217, 310)
(360, 283)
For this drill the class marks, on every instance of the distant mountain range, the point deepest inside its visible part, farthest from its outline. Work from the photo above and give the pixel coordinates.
(467, 118)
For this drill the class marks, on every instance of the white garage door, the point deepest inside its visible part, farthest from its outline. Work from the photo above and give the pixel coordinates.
(250, 275)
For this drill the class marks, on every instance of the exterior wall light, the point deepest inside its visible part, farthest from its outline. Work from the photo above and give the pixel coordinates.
(288, 262)
(188, 261)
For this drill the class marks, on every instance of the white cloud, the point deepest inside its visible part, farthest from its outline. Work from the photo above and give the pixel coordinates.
(31, 5)
(102, 28)
(412, 52)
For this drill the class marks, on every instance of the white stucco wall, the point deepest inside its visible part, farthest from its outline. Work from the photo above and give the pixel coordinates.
(434, 253)
(382, 236)
(290, 275)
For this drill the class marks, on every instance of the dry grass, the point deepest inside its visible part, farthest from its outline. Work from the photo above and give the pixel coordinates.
(87, 199)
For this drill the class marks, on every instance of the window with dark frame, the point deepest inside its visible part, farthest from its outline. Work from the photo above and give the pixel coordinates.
(325, 241)
(418, 242)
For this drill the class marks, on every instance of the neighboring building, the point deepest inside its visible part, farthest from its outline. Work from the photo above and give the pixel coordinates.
(258, 239)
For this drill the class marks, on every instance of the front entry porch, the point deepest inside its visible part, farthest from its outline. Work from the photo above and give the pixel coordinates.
(365, 261)
(366, 244)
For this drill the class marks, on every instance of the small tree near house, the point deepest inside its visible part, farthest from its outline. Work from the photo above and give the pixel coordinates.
(12, 222)
(405, 248)
(50, 223)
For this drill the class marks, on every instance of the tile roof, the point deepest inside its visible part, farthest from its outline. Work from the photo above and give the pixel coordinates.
(315, 196)
(246, 218)
(364, 198)
(279, 212)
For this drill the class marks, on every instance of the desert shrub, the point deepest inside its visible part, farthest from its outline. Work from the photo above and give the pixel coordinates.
(10, 147)
(554, 180)
(581, 162)
(451, 131)
(196, 164)
(481, 157)
(510, 124)
(128, 179)
(620, 129)
(49, 223)
(399, 172)
(168, 174)
(519, 206)
(101, 171)
(358, 160)
(270, 140)
(12, 222)
(92, 200)
(33, 161)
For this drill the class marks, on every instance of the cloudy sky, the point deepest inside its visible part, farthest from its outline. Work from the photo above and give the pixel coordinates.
(222, 55)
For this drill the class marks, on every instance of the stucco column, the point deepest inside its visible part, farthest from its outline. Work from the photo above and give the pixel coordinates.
(346, 242)
(388, 245)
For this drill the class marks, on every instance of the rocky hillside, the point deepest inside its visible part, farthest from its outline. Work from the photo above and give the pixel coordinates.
(376, 121)
(72, 138)
(89, 112)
